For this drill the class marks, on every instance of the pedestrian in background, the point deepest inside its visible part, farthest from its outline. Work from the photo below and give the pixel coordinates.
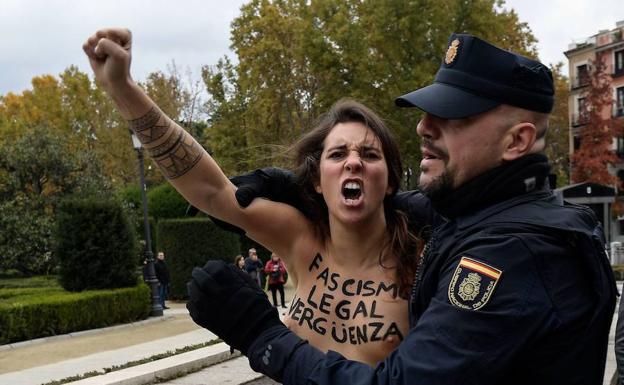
(162, 274)
(239, 262)
(253, 266)
(276, 273)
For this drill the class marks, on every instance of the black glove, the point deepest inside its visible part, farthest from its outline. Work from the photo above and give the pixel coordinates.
(226, 301)
(276, 184)
(273, 183)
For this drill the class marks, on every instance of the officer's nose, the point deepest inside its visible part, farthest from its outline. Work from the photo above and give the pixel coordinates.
(428, 127)
(353, 163)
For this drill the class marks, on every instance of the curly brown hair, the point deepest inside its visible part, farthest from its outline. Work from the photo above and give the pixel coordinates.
(402, 243)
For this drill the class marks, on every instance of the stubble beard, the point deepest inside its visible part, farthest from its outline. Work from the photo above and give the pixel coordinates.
(438, 187)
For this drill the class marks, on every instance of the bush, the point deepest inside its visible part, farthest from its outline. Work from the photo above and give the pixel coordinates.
(165, 202)
(96, 245)
(26, 237)
(29, 313)
(131, 200)
(192, 242)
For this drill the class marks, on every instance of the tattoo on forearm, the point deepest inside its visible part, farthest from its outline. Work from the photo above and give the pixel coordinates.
(147, 127)
(177, 154)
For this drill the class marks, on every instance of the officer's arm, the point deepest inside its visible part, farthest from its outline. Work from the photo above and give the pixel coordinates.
(448, 345)
(418, 209)
(619, 343)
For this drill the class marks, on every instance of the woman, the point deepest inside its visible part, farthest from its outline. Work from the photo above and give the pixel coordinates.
(239, 262)
(276, 273)
(352, 265)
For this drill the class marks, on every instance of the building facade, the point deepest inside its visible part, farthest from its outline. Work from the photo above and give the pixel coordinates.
(609, 45)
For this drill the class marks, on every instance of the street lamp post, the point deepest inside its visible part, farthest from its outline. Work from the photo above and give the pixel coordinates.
(150, 278)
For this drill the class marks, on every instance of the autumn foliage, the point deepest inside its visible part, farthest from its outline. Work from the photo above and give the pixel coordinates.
(591, 162)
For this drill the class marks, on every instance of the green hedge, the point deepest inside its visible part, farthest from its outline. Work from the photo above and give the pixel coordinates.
(27, 313)
(192, 242)
(165, 202)
(96, 245)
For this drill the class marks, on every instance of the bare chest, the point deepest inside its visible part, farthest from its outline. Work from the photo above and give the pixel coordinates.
(358, 314)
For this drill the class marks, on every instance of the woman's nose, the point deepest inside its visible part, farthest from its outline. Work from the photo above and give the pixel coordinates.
(353, 163)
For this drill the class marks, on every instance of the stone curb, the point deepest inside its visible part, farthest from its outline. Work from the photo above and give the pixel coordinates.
(83, 333)
(164, 369)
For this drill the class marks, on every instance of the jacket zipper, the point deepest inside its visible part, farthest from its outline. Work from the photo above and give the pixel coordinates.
(420, 267)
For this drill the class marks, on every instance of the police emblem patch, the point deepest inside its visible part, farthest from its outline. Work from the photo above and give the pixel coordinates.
(472, 284)
(451, 52)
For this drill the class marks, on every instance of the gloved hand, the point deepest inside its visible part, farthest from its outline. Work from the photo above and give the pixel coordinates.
(226, 301)
(273, 183)
(276, 184)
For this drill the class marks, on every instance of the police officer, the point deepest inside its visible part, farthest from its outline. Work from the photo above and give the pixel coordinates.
(513, 287)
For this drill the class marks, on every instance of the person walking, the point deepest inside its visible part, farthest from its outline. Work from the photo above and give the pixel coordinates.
(162, 274)
(276, 273)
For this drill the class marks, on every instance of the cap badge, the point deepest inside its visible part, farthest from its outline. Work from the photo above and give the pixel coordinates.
(451, 53)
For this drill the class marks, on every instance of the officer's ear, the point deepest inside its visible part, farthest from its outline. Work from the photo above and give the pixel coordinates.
(518, 140)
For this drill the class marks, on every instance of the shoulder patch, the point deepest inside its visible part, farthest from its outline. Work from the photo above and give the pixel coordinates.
(472, 284)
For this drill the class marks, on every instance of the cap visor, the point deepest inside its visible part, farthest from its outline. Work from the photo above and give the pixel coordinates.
(446, 101)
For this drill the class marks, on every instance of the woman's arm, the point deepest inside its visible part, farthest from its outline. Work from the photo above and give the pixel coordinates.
(184, 162)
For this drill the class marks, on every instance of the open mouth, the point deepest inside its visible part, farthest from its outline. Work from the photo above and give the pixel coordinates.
(428, 154)
(352, 190)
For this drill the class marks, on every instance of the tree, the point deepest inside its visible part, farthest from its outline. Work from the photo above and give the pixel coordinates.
(36, 172)
(296, 58)
(591, 162)
(557, 136)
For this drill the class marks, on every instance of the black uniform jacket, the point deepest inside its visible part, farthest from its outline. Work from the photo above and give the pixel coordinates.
(520, 292)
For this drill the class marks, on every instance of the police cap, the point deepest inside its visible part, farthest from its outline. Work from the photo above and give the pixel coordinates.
(476, 76)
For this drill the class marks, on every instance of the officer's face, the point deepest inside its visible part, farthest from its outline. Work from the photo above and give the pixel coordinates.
(457, 150)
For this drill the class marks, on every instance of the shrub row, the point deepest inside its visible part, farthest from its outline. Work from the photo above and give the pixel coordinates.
(34, 313)
(96, 245)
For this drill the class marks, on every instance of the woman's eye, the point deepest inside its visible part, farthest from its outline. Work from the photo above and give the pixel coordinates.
(335, 155)
(371, 155)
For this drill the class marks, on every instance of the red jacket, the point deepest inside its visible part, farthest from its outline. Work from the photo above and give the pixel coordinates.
(275, 267)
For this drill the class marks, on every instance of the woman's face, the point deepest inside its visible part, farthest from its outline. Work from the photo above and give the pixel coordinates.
(353, 173)
(241, 263)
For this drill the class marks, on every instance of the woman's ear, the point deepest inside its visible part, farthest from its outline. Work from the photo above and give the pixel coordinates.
(317, 188)
(519, 140)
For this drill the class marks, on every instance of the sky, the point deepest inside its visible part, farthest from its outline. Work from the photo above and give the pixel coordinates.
(45, 36)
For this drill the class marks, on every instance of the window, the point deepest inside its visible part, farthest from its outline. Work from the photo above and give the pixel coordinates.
(577, 142)
(619, 61)
(619, 102)
(619, 146)
(582, 115)
(582, 75)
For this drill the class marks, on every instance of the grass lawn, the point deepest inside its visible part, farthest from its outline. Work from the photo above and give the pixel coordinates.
(38, 281)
